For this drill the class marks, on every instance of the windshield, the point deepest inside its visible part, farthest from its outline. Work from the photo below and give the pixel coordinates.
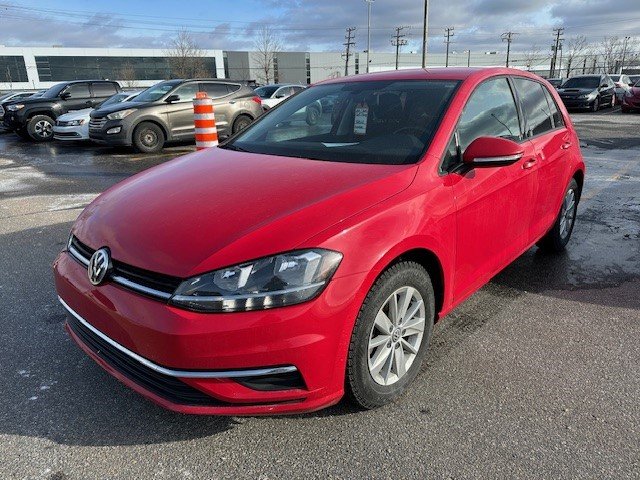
(155, 93)
(54, 91)
(386, 122)
(117, 98)
(265, 92)
(582, 82)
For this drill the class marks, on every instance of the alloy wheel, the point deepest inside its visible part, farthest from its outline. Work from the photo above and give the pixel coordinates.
(568, 213)
(396, 336)
(43, 129)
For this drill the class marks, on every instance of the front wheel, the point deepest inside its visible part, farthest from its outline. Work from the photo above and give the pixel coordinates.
(40, 128)
(242, 122)
(391, 336)
(148, 138)
(557, 238)
(595, 106)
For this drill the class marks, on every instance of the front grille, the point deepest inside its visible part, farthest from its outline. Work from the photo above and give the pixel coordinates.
(169, 388)
(66, 134)
(97, 123)
(151, 284)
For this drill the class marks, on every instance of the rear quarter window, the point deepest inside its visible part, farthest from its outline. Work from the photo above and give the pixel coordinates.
(103, 89)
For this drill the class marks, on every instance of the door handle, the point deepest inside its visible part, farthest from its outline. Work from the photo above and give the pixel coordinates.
(566, 145)
(529, 163)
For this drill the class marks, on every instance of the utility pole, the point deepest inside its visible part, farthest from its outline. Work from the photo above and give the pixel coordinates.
(369, 2)
(448, 34)
(425, 33)
(558, 31)
(398, 41)
(508, 37)
(624, 53)
(349, 37)
(468, 52)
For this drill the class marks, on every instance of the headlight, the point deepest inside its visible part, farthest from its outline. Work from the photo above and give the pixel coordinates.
(17, 106)
(277, 281)
(120, 114)
(73, 123)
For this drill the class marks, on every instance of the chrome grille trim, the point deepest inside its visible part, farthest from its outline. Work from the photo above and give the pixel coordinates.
(97, 123)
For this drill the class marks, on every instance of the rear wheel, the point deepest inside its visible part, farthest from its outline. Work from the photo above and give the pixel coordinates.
(391, 336)
(148, 138)
(40, 128)
(557, 238)
(242, 122)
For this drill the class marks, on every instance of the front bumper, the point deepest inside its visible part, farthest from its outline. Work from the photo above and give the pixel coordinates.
(80, 132)
(121, 138)
(632, 103)
(13, 121)
(205, 352)
(574, 102)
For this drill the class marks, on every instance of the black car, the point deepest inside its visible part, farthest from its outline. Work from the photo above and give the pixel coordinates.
(33, 118)
(164, 113)
(588, 91)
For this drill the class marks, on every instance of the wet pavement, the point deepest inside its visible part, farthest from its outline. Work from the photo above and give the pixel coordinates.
(535, 376)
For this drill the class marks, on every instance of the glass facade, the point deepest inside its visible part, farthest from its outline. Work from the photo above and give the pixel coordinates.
(13, 69)
(61, 68)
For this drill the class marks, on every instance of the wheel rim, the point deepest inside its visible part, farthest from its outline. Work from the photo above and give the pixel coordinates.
(567, 214)
(43, 129)
(242, 124)
(396, 336)
(149, 138)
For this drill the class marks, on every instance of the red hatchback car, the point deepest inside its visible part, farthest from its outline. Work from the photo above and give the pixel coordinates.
(310, 255)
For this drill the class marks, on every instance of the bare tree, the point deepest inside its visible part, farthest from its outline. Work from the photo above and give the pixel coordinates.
(127, 74)
(266, 45)
(532, 57)
(611, 50)
(577, 47)
(185, 57)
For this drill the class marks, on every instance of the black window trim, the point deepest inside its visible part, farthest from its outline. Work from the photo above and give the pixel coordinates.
(441, 171)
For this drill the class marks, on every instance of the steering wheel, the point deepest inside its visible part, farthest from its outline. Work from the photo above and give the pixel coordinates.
(418, 131)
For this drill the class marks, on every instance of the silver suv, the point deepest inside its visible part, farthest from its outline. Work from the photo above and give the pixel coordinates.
(164, 113)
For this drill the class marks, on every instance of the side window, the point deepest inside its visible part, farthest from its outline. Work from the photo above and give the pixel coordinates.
(186, 92)
(103, 89)
(282, 92)
(558, 121)
(215, 90)
(297, 89)
(534, 106)
(490, 112)
(78, 90)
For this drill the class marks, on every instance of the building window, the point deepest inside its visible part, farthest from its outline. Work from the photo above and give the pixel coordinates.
(307, 62)
(275, 69)
(357, 64)
(13, 69)
(225, 59)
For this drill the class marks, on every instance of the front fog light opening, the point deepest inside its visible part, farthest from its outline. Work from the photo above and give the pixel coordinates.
(113, 130)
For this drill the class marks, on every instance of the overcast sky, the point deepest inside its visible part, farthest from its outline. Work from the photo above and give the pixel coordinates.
(316, 25)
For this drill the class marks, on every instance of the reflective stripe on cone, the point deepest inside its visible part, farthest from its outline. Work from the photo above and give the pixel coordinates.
(204, 122)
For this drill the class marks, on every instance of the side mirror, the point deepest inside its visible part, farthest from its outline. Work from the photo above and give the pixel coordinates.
(172, 98)
(281, 95)
(492, 152)
(65, 95)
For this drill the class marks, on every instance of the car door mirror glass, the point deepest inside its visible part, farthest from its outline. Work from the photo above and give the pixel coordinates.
(492, 152)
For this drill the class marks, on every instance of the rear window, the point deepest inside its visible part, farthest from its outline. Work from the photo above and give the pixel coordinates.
(103, 89)
(386, 122)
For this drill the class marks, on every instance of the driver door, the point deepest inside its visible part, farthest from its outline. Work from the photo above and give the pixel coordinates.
(494, 205)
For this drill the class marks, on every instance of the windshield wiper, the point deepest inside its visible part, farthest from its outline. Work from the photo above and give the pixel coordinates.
(235, 148)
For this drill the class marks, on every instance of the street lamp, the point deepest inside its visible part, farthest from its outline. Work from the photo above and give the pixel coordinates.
(369, 2)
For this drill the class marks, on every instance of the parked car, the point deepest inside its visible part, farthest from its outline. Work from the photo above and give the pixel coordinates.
(631, 100)
(33, 118)
(623, 84)
(271, 95)
(634, 79)
(75, 125)
(588, 91)
(8, 97)
(296, 263)
(38, 94)
(556, 82)
(164, 113)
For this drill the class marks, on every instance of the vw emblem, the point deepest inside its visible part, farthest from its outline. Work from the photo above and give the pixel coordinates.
(99, 265)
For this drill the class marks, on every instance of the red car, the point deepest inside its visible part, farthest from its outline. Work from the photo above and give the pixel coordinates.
(631, 99)
(304, 260)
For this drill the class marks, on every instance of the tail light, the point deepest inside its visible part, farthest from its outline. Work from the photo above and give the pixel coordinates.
(258, 100)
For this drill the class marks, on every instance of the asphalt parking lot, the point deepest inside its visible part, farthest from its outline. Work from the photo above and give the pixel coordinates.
(535, 376)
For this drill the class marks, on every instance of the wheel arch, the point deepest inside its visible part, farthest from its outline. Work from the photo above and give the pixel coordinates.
(578, 176)
(163, 127)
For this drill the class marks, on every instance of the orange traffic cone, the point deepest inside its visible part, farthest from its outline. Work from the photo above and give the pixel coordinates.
(205, 121)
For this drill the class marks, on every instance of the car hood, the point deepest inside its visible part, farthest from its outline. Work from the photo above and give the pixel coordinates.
(33, 101)
(101, 112)
(635, 91)
(219, 207)
(76, 115)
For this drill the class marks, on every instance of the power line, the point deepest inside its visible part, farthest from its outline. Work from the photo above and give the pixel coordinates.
(448, 34)
(508, 37)
(398, 41)
(348, 44)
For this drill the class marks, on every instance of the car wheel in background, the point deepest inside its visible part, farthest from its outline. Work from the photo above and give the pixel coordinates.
(148, 138)
(40, 128)
(391, 335)
(313, 115)
(595, 106)
(242, 122)
(557, 238)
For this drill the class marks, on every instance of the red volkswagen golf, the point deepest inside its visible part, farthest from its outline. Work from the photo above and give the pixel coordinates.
(310, 255)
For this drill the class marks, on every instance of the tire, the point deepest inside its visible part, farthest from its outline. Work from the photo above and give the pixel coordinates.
(240, 123)
(364, 387)
(557, 238)
(595, 106)
(313, 115)
(40, 128)
(148, 138)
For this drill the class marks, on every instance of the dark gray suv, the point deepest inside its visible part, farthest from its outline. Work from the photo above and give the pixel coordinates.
(164, 113)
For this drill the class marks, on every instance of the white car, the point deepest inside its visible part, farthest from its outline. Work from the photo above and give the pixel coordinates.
(75, 124)
(271, 95)
(623, 84)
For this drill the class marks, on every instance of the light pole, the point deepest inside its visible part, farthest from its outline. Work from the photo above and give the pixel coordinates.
(468, 52)
(369, 2)
(624, 54)
(425, 33)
